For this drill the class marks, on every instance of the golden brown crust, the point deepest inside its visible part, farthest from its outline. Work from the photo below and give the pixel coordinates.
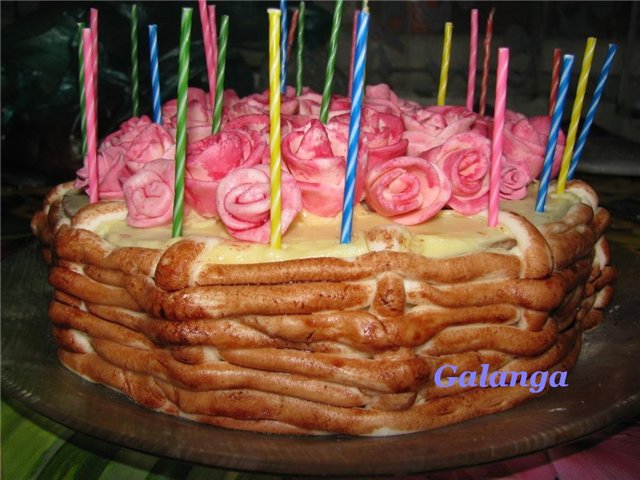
(323, 345)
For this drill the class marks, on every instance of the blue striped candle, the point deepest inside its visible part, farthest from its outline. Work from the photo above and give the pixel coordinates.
(155, 76)
(593, 106)
(283, 45)
(354, 127)
(565, 79)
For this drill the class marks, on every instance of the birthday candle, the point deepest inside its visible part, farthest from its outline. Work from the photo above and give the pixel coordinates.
(331, 62)
(275, 165)
(575, 113)
(221, 69)
(208, 48)
(83, 118)
(484, 83)
(155, 73)
(354, 127)
(283, 46)
(354, 32)
(292, 31)
(498, 126)
(181, 127)
(473, 59)
(593, 106)
(300, 50)
(91, 160)
(93, 24)
(135, 84)
(444, 66)
(555, 78)
(558, 110)
(213, 25)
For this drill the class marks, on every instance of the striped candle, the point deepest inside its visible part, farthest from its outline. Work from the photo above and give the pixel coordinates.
(91, 160)
(502, 75)
(292, 31)
(135, 83)
(558, 110)
(275, 165)
(444, 65)
(473, 59)
(593, 107)
(208, 48)
(484, 82)
(555, 79)
(181, 127)
(300, 50)
(93, 25)
(354, 32)
(155, 73)
(83, 118)
(283, 46)
(221, 69)
(331, 62)
(354, 128)
(575, 113)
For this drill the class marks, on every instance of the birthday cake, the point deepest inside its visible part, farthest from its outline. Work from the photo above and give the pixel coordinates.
(426, 318)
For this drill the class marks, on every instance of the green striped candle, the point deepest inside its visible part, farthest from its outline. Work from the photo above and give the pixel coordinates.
(331, 62)
(135, 84)
(83, 106)
(181, 130)
(300, 50)
(222, 67)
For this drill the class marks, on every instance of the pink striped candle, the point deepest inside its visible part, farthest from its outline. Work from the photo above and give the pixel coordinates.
(292, 31)
(213, 23)
(473, 59)
(484, 83)
(208, 48)
(91, 160)
(93, 24)
(496, 143)
(353, 49)
(555, 79)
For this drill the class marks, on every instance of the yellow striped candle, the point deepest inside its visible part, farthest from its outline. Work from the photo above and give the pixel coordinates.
(444, 67)
(575, 113)
(275, 166)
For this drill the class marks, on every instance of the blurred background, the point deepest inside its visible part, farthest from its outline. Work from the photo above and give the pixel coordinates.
(40, 107)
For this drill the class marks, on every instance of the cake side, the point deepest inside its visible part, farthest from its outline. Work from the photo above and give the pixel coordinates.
(324, 345)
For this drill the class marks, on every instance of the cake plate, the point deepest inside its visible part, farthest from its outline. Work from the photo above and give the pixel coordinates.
(604, 388)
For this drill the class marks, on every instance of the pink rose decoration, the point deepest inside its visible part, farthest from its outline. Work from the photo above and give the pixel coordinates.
(199, 115)
(243, 203)
(209, 161)
(542, 125)
(316, 157)
(465, 160)
(148, 194)
(152, 142)
(384, 100)
(111, 168)
(126, 133)
(383, 133)
(430, 127)
(408, 190)
(514, 180)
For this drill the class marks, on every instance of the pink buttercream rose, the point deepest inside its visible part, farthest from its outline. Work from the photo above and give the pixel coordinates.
(152, 142)
(199, 115)
(243, 203)
(148, 194)
(408, 190)
(383, 133)
(465, 160)
(430, 127)
(382, 99)
(111, 169)
(208, 161)
(316, 157)
(525, 142)
(514, 179)
(126, 133)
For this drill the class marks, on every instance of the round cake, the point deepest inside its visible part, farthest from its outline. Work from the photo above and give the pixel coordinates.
(426, 318)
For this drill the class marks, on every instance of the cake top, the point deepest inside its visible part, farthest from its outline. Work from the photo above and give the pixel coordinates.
(415, 162)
